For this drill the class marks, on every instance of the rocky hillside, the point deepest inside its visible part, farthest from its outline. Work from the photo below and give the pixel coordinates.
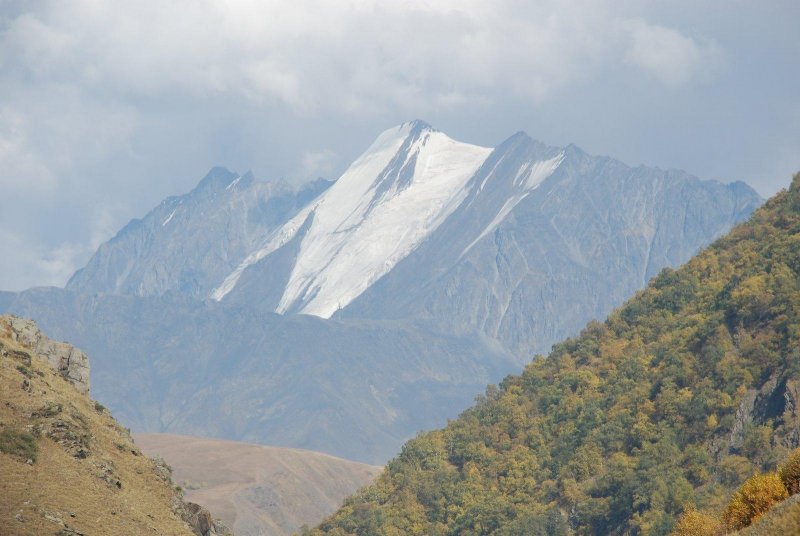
(256, 489)
(68, 468)
(678, 397)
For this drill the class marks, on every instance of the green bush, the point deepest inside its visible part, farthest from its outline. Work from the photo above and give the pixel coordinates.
(21, 445)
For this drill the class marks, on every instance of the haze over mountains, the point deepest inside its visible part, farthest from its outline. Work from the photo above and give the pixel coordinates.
(344, 316)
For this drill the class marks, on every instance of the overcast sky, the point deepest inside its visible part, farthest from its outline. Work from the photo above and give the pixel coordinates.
(108, 107)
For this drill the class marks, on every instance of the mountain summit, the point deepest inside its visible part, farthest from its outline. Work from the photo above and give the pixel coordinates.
(318, 249)
(374, 305)
(387, 202)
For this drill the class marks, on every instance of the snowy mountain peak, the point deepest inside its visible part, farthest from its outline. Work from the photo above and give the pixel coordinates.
(418, 124)
(386, 203)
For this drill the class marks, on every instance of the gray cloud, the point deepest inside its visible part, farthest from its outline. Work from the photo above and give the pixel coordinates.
(108, 107)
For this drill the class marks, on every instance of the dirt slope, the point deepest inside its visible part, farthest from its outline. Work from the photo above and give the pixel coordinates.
(257, 489)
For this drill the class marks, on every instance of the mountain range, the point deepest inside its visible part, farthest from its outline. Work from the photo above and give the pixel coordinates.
(687, 392)
(344, 316)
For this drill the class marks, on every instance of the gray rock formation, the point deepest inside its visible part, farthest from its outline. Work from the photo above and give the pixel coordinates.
(63, 357)
(202, 523)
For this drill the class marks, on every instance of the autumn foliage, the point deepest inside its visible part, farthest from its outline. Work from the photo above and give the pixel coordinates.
(696, 523)
(753, 499)
(790, 472)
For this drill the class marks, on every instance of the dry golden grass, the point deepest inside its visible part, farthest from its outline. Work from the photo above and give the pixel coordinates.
(73, 484)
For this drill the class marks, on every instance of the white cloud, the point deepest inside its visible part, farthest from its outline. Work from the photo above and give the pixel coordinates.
(24, 264)
(310, 55)
(670, 56)
(361, 57)
(316, 164)
(23, 171)
(103, 102)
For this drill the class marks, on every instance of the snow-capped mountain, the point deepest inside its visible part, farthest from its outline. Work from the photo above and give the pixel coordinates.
(522, 267)
(431, 267)
(387, 202)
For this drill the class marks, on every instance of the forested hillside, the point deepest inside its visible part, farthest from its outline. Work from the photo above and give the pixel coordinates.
(678, 397)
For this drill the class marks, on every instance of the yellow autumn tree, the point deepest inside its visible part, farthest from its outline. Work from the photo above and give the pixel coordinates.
(756, 496)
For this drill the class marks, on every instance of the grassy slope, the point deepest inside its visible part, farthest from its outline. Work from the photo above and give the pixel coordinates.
(674, 400)
(256, 488)
(60, 491)
(783, 519)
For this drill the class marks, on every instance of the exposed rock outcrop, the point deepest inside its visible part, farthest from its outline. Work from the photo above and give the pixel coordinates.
(201, 521)
(776, 401)
(63, 357)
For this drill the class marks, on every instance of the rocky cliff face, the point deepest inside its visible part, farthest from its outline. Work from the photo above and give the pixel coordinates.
(70, 362)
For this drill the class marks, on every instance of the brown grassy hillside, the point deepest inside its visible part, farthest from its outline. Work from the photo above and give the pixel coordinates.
(257, 489)
(66, 466)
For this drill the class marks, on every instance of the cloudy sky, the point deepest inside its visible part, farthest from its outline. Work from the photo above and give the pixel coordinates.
(108, 107)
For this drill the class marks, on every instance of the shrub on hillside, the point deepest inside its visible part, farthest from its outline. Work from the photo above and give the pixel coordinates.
(755, 497)
(21, 445)
(696, 523)
(790, 472)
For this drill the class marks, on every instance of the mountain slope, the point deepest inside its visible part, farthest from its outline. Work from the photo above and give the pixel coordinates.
(67, 466)
(523, 243)
(355, 390)
(682, 393)
(188, 243)
(257, 489)
(528, 262)
(389, 200)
